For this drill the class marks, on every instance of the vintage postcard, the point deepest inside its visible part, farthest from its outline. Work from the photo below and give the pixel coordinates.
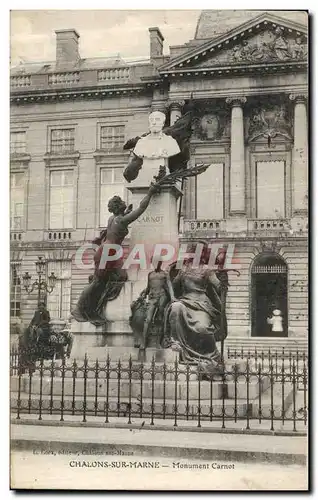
(159, 250)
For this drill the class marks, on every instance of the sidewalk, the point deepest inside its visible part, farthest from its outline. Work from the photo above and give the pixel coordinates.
(196, 445)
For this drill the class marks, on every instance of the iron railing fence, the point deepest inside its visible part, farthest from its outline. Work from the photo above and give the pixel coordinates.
(244, 395)
(277, 357)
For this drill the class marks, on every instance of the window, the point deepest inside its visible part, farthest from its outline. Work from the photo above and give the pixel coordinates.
(15, 290)
(17, 201)
(112, 183)
(209, 193)
(61, 199)
(269, 308)
(112, 137)
(18, 142)
(270, 189)
(62, 140)
(59, 301)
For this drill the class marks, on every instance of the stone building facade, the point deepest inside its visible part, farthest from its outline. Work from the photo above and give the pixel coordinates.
(246, 72)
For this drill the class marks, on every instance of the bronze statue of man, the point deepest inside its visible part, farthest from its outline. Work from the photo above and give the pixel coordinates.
(145, 314)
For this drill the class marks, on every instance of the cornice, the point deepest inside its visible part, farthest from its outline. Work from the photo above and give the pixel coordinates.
(110, 156)
(78, 114)
(52, 159)
(23, 96)
(20, 158)
(198, 93)
(236, 69)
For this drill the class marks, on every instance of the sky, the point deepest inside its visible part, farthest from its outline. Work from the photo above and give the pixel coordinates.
(102, 33)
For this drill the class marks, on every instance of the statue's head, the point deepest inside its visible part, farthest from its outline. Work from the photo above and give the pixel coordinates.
(156, 121)
(116, 205)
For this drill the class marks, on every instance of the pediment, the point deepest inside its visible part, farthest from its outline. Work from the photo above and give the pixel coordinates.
(266, 39)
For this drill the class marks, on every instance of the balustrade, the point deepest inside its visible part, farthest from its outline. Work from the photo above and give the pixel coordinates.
(64, 78)
(113, 74)
(20, 81)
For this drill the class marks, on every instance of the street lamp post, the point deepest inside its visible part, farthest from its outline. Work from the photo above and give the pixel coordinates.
(40, 283)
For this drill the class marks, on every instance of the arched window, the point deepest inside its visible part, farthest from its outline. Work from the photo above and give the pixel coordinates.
(269, 296)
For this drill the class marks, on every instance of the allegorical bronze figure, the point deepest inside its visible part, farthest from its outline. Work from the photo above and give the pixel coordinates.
(148, 309)
(109, 279)
(195, 319)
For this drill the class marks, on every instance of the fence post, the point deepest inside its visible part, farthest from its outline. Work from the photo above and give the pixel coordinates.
(74, 373)
(271, 369)
(305, 392)
(164, 390)
(51, 386)
(96, 387)
(187, 381)
(247, 395)
(19, 390)
(129, 395)
(175, 392)
(30, 389)
(152, 389)
(62, 395)
(107, 390)
(211, 398)
(118, 386)
(85, 389)
(294, 395)
(199, 398)
(235, 392)
(41, 389)
(259, 394)
(283, 391)
(141, 387)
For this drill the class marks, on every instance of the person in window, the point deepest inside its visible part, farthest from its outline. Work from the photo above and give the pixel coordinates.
(109, 279)
(276, 321)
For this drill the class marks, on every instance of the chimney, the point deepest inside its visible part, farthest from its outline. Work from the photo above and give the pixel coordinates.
(156, 43)
(67, 47)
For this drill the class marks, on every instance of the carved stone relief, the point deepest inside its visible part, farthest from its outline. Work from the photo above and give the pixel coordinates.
(211, 123)
(268, 121)
(268, 46)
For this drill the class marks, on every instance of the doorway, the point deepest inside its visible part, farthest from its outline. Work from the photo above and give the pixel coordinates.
(269, 296)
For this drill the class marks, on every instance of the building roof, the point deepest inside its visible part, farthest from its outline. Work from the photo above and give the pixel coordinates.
(83, 64)
(212, 23)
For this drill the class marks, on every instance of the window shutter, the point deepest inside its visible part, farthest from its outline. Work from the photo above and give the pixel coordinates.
(56, 208)
(210, 186)
(107, 192)
(59, 301)
(67, 207)
(270, 189)
(17, 200)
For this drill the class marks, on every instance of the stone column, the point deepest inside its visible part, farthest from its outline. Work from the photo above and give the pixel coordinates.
(175, 111)
(300, 155)
(237, 165)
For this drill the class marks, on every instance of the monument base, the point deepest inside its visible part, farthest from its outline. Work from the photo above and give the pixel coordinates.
(159, 223)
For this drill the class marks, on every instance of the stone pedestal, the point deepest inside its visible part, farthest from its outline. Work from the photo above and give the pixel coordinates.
(87, 339)
(159, 223)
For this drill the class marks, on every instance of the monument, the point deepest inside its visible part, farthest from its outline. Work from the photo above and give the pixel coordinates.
(176, 307)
